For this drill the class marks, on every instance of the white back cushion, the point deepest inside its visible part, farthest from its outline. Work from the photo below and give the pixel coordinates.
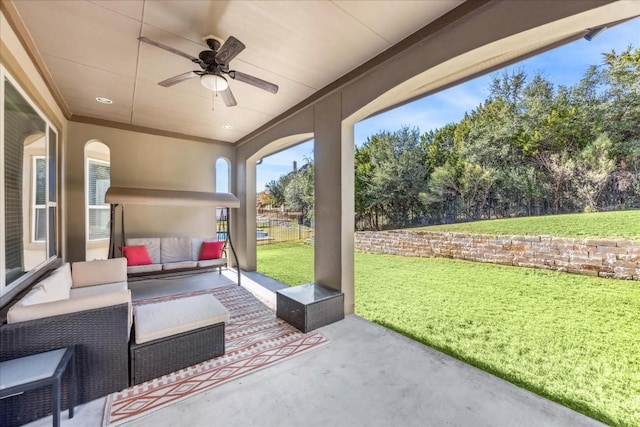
(58, 284)
(99, 272)
(175, 249)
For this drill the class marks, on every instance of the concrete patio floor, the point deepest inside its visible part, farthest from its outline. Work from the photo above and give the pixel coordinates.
(366, 376)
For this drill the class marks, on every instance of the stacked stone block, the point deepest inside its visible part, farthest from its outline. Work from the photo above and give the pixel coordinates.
(619, 259)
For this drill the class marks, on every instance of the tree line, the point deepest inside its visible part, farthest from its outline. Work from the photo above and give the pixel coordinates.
(531, 148)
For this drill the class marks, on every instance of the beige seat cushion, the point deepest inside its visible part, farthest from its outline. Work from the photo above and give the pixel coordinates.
(212, 262)
(163, 319)
(99, 272)
(38, 311)
(144, 268)
(178, 265)
(98, 290)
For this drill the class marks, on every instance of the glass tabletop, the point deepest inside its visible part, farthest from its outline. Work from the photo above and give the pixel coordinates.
(29, 368)
(309, 293)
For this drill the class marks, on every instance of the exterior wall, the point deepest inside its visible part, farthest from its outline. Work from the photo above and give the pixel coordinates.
(619, 259)
(146, 161)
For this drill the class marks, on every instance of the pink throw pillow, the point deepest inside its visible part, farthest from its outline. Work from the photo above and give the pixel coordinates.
(136, 255)
(211, 250)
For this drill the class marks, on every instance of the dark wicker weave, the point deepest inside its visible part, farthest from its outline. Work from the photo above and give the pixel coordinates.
(100, 337)
(309, 316)
(162, 356)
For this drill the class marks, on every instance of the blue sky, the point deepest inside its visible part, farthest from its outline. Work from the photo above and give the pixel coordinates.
(565, 65)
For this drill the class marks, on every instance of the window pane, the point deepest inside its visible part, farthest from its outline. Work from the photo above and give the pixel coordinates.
(41, 181)
(99, 223)
(53, 155)
(40, 227)
(53, 251)
(22, 125)
(222, 176)
(99, 181)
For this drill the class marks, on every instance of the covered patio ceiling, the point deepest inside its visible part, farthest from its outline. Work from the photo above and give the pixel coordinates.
(89, 49)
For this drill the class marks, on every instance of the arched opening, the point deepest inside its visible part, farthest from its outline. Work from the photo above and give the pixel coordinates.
(223, 175)
(97, 159)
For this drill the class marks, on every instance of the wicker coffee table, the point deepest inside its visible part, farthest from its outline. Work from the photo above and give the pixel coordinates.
(308, 307)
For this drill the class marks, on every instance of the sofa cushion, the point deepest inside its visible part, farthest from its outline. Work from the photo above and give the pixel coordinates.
(211, 250)
(37, 295)
(212, 262)
(144, 268)
(57, 285)
(163, 319)
(98, 290)
(152, 244)
(99, 272)
(136, 255)
(38, 311)
(179, 265)
(175, 249)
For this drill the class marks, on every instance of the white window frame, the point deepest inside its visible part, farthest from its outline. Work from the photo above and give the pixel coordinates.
(89, 207)
(34, 189)
(4, 287)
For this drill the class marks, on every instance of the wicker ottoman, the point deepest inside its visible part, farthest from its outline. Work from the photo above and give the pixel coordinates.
(175, 334)
(308, 307)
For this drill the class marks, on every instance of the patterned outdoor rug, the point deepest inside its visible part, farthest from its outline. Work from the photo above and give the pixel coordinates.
(254, 339)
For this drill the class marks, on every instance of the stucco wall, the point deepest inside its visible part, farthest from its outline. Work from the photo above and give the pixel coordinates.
(146, 161)
(605, 258)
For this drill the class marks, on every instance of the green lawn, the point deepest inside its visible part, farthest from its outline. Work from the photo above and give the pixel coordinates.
(573, 339)
(623, 224)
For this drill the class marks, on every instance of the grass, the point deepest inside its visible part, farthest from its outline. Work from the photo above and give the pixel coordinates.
(570, 338)
(620, 224)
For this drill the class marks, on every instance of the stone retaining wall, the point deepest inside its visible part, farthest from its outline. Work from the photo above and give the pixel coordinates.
(605, 258)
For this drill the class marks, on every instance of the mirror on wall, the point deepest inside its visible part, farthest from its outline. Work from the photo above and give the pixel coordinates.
(97, 180)
(29, 186)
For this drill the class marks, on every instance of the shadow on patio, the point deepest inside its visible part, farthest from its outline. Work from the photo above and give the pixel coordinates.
(366, 376)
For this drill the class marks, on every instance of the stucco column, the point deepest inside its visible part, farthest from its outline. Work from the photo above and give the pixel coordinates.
(243, 225)
(334, 199)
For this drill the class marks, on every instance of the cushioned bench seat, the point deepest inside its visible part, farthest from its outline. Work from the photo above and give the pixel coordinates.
(174, 253)
(175, 334)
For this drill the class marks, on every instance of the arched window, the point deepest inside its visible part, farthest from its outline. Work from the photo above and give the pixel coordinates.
(97, 180)
(223, 175)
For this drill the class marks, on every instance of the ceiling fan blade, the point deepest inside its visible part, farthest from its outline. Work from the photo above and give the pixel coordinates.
(179, 78)
(229, 50)
(170, 49)
(254, 81)
(228, 98)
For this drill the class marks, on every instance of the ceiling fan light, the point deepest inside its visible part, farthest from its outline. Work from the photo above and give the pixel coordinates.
(214, 82)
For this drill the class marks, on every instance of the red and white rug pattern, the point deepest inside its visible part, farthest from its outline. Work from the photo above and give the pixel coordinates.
(254, 339)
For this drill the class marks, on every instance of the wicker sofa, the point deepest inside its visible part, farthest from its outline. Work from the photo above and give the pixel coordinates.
(88, 307)
(173, 254)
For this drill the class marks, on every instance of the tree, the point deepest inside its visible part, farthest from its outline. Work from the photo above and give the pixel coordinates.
(299, 192)
(594, 168)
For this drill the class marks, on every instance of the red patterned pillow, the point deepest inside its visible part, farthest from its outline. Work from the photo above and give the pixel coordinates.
(211, 250)
(136, 255)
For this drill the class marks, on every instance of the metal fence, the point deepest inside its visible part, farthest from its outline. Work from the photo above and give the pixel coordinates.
(274, 227)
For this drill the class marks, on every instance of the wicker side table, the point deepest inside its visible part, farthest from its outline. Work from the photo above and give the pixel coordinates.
(308, 307)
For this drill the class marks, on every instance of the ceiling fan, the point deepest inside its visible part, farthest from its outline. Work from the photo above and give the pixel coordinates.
(214, 63)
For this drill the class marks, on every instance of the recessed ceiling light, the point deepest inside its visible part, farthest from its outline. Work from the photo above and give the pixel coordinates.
(227, 127)
(103, 100)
